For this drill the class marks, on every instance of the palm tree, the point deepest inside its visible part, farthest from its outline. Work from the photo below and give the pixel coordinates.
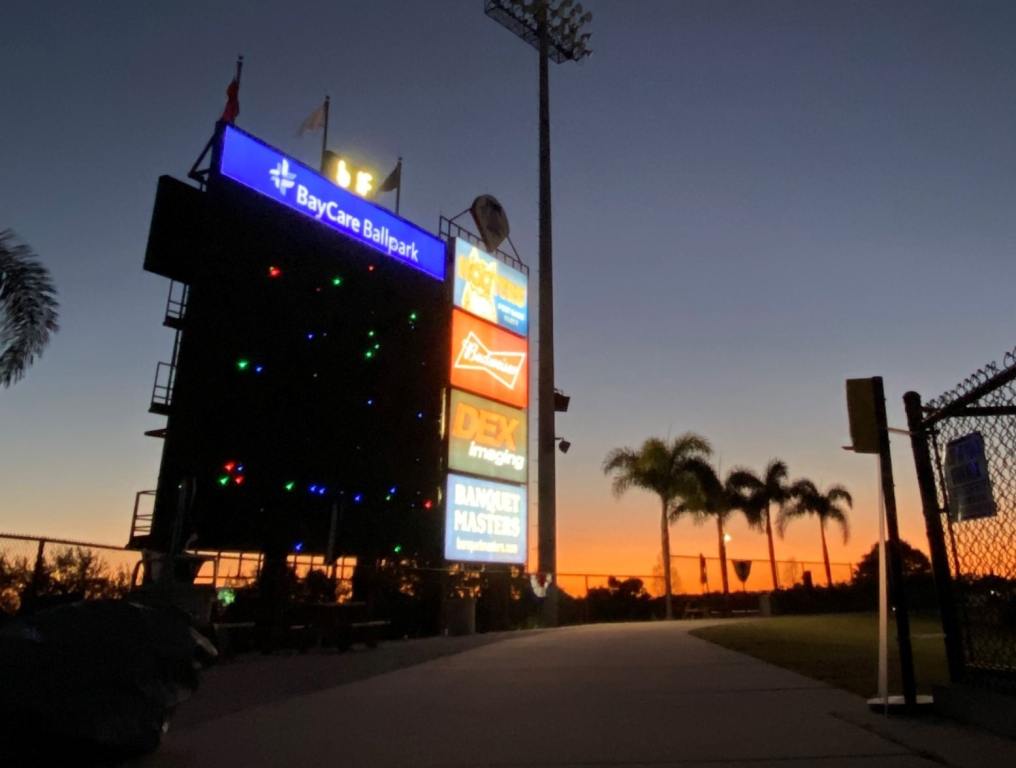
(716, 498)
(27, 308)
(762, 492)
(806, 499)
(658, 466)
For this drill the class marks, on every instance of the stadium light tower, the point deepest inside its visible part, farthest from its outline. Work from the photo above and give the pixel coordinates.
(554, 28)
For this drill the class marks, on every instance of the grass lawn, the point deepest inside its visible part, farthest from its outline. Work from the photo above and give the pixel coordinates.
(840, 649)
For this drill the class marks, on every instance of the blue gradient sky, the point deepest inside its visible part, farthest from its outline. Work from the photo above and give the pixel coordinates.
(753, 201)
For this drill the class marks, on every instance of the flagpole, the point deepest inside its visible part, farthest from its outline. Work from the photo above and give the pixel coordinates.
(324, 136)
(239, 70)
(398, 189)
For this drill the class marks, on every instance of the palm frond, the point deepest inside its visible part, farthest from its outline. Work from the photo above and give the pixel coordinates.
(28, 307)
(793, 509)
(839, 493)
(837, 514)
(744, 479)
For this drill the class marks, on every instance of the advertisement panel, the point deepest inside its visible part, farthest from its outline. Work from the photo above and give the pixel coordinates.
(485, 521)
(487, 438)
(289, 182)
(490, 289)
(489, 361)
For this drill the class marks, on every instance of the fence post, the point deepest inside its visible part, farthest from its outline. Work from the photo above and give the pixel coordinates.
(897, 586)
(936, 537)
(31, 591)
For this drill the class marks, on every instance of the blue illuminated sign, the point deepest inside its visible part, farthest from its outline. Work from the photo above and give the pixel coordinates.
(267, 171)
(485, 521)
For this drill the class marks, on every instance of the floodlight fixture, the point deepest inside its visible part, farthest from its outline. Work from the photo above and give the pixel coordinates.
(561, 401)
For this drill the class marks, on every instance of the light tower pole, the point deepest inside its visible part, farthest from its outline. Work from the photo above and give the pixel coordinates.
(554, 28)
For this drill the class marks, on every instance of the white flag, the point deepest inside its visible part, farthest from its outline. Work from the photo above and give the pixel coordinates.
(315, 121)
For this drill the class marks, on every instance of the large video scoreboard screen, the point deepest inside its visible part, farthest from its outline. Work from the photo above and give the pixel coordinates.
(312, 357)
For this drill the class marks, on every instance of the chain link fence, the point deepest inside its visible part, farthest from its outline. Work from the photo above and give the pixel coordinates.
(971, 435)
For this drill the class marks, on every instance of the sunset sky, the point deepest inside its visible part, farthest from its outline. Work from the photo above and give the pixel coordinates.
(752, 202)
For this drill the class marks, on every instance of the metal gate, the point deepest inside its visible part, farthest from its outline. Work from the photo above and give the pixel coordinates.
(964, 444)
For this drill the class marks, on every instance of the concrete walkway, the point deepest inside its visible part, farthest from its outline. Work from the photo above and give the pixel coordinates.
(603, 695)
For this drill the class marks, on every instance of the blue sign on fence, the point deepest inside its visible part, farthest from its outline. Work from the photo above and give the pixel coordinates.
(967, 480)
(485, 521)
(267, 171)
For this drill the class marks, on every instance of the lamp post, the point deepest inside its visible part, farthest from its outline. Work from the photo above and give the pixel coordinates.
(554, 28)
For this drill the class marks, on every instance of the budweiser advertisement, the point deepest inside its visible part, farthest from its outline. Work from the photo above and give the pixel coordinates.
(485, 521)
(490, 289)
(489, 361)
(487, 438)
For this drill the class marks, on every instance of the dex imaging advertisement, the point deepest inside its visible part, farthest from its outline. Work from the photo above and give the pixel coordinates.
(489, 361)
(487, 438)
(490, 289)
(485, 521)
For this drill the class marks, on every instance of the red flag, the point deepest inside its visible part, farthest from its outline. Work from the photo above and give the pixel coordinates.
(232, 108)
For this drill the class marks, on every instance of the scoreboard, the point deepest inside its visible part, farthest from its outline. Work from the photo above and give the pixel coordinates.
(310, 369)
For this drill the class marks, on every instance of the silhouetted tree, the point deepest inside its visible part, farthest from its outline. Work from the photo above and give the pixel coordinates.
(27, 308)
(806, 499)
(715, 498)
(915, 563)
(658, 466)
(762, 492)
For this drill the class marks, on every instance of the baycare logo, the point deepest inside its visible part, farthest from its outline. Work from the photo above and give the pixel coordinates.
(503, 367)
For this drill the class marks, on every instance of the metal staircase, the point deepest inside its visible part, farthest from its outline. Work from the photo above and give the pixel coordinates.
(165, 373)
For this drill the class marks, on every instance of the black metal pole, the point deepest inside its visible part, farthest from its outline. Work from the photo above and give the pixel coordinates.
(936, 536)
(897, 587)
(324, 134)
(546, 483)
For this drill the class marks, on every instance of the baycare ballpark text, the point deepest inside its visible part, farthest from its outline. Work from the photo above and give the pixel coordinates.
(329, 209)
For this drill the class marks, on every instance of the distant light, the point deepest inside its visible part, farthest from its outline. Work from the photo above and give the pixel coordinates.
(727, 538)
(321, 490)
(240, 468)
(388, 497)
(229, 465)
(313, 489)
(419, 414)
(274, 272)
(258, 368)
(370, 334)
(369, 354)
(243, 364)
(298, 546)
(310, 335)
(238, 479)
(397, 548)
(224, 480)
(370, 401)
(377, 345)
(290, 485)
(370, 268)
(358, 498)
(393, 489)
(428, 504)
(227, 596)
(336, 281)
(412, 317)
